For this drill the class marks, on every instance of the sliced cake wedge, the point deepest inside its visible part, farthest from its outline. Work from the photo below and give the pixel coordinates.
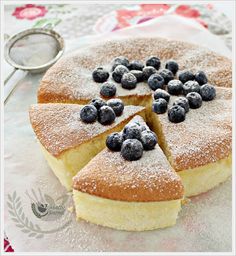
(68, 143)
(136, 195)
(200, 148)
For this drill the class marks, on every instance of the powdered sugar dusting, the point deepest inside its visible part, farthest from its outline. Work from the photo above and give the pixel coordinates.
(205, 135)
(58, 127)
(151, 178)
(70, 79)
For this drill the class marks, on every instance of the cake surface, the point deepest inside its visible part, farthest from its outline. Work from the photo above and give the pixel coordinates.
(58, 127)
(109, 175)
(70, 79)
(204, 137)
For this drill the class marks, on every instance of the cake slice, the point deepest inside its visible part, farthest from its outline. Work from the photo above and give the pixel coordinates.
(128, 195)
(68, 143)
(199, 148)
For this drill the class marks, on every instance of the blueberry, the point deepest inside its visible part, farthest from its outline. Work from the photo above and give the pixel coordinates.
(98, 103)
(208, 92)
(194, 99)
(132, 149)
(183, 102)
(176, 114)
(185, 76)
(108, 89)
(88, 114)
(149, 140)
(117, 105)
(159, 106)
(100, 75)
(154, 62)
(172, 66)
(138, 74)
(128, 81)
(118, 72)
(120, 61)
(175, 87)
(191, 86)
(166, 74)
(136, 65)
(156, 81)
(132, 131)
(201, 77)
(141, 127)
(148, 71)
(159, 93)
(114, 141)
(106, 115)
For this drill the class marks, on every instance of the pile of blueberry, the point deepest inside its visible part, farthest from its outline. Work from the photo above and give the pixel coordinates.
(104, 112)
(128, 74)
(132, 141)
(193, 88)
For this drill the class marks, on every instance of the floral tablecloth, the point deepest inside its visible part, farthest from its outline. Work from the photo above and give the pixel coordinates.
(77, 21)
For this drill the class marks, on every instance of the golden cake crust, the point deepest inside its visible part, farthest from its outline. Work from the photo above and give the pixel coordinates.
(204, 137)
(70, 79)
(109, 175)
(58, 127)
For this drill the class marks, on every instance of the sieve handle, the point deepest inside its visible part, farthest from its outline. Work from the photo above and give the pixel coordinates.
(9, 76)
(11, 84)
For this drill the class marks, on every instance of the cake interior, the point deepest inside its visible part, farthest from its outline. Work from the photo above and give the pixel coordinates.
(201, 179)
(130, 216)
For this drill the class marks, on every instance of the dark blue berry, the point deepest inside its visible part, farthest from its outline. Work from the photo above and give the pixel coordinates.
(172, 66)
(88, 114)
(128, 81)
(175, 87)
(166, 74)
(132, 131)
(201, 77)
(176, 114)
(156, 81)
(141, 127)
(191, 86)
(183, 102)
(208, 92)
(154, 62)
(108, 89)
(132, 149)
(148, 71)
(194, 99)
(100, 75)
(114, 141)
(98, 103)
(159, 93)
(120, 61)
(106, 115)
(117, 105)
(185, 76)
(149, 140)
(136, 65)
(118, 72)
(159, 106)
(138, 74)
